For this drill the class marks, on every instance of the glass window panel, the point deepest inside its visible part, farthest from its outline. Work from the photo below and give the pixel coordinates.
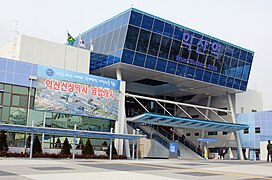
(243, 85)
(215, 78)
(127, 56)
(249, 57)
(23, 101)
(198, 74)
(37, 117)
(180, 70)
(5, 114)
(20, 90)
(108, 43)
(225, 69)
(117, 56)
(122, 37)
(112, 24)
(15, 100)
(178, 33)
(7, 88)
(165, 46)
(236, 53)
(229, 50)
(168, 30)
(207, 76)
(135, 18)
(139, 59)
(118, 22)
(230, 82)
(223, 80)
(239, 71)
(131, 38)
(1, 86)
(99, 31)
(246, 72)
(114, 40)
(143, 41)
(185, 53)
(161, 65)
(1, 95)
(171, 67)
(147, 22)
(105, 28)
(125, 18)
(158, 26)
(154, 44)
(150, 62)
(17, 116)
(243, 55)
(190, 71)
(175, 48)
(233, 66)
(102, 44)
(6, 99)
(96, 44)
(236, 83)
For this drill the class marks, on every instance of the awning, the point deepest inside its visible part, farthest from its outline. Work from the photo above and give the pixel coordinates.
(68, 132)
(187, 123)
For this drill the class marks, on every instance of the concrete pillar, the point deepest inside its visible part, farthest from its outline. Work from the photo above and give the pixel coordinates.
(207, 115)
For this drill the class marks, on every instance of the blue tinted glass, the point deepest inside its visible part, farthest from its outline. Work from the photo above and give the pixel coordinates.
(111, 59)
(230, 82)
(93, 33)
(147, 22)
(226, 64)
(154, 44)
(171, 67)
(158, 26)
(112, 25)
(207, 76)
(180, 70)
(232, 69)
(143, 41)
(190, 71)
(178, 33)
(99, 31)
(249, 57)
(105, 28)
(236, 84)
(117, 56)
(165, 46)
(139, 59)
(125, 18)
(131, 39)
(122, 36)
(198, 74)
(222, 80)
(127, 56)
(243, 55)
(104, 61)
(118, 22)
(161, 65)
(246, 72)
(243, 85)
(135, 18)
(215, 78)
(175, 48)
(168, 30)
(239, 70)
(150, 62)
(236, 53)
(229, 50)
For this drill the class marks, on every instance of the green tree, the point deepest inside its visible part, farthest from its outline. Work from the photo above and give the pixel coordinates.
(88, 148)
(37, 148)
(114, 152)
(65, 149)
(3, 142)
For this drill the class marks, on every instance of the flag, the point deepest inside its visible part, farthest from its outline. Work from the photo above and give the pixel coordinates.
(81, 43)
(91, 44)
(70, 39)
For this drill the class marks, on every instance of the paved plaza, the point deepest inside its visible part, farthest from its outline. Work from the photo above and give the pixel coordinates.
(151, 169)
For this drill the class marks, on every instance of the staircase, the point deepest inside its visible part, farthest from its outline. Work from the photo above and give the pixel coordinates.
(186, 149)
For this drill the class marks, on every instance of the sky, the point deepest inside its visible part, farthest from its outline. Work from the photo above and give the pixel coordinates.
(246, 23)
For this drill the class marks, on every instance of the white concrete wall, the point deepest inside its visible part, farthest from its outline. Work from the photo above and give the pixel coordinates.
(249, 100)
(263, 150)
(151, 148)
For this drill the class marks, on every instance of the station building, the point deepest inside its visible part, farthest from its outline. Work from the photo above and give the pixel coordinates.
(179, 85)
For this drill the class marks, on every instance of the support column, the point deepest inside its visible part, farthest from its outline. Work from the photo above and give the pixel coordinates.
(207, 115)
(236, 134)
(74, 146)
(44, 119)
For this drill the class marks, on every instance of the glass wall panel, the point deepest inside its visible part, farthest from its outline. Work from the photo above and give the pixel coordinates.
(17, 116)
(147, 22)
(131, 38)
(190, 71)
(230, 82)
(127, 56)
(118, 22)
(154, 44)
(171, 67)
(178, 33)
(246, 72)
(175, 48)
(165, 46)
(114, 40)
(168, 30)
(207, 76)
(108, 43)
(143, 41)
(158, 26)
(15, 100)
(150, 62)
(20, 90)
(139, 59)
(198, 74)
(125, 18)
(249, 57)
(135, 18)
(112, 24)
(23, 101)
(161, 65)
(37, 117)
(233, 67)
(7, 88)
(180, 70)
(122, 37)
(5, 114)
(215, 78)
(105, 28)
(6, 99)
(222, 80)
(243, 55)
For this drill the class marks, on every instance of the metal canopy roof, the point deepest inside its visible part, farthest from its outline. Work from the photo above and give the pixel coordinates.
(107, 135)
(187, 123)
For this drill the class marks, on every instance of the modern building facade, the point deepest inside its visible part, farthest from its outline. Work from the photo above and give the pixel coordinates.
(170, 71)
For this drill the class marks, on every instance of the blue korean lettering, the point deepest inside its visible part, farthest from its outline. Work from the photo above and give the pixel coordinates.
(201, 47)
(215, 49)
(187, 40)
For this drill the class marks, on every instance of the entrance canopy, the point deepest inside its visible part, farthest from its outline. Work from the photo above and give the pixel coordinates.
(106, 135)
(186, 122)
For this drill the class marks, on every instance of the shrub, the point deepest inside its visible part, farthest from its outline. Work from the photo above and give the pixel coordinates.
(37, 148)
(65, 149)
(3, 142)
(88, 148)
(114, 152)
